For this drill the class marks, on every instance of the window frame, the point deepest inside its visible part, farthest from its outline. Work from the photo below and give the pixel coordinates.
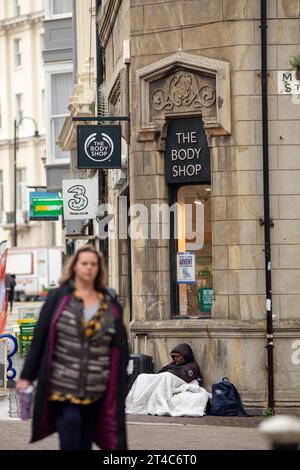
(18, 53)
(50, 70)
(49, 12)
(43, 108)
(19, 112)
(42, 46)
(16, 8)
(21, 186)
(174, 288)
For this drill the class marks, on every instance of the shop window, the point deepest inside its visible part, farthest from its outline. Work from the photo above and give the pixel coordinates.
(192, 284)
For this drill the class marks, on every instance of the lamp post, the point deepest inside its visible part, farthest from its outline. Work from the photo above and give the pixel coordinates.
(17, 124)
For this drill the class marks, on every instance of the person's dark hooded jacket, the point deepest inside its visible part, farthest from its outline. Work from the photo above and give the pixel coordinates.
(189, 370)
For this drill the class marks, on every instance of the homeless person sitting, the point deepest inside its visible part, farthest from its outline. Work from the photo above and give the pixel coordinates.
(173, 391)
(183, 364)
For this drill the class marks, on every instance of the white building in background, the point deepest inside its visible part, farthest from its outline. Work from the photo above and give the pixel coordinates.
(22, 95)
(59, 79)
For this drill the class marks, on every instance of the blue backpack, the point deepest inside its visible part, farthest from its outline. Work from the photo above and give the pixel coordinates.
(226, 400)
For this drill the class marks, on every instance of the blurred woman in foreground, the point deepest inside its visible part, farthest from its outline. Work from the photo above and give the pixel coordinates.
(79, 356)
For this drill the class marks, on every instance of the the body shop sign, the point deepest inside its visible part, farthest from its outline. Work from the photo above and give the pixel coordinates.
(187, 152)
(99, 147)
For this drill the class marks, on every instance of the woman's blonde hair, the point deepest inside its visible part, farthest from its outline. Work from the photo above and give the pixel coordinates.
(69, 273)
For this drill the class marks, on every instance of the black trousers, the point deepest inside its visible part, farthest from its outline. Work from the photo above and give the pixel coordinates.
(76, 424)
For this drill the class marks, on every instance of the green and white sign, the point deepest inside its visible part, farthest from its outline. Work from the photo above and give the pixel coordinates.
(47, 207)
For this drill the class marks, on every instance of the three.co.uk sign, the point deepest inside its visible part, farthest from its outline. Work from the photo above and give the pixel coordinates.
(99, 147)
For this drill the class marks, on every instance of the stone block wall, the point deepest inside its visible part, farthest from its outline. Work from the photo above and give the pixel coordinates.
(232, 342)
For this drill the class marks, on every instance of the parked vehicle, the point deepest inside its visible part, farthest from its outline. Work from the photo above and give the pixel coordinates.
(37, 271)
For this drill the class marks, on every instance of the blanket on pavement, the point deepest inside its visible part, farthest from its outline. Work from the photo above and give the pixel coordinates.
(165, 394)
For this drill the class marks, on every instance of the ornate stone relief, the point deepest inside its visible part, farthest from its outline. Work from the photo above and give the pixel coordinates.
(181, 92)
(184, 84)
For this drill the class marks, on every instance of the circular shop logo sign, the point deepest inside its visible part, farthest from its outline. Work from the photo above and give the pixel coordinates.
(99, 147)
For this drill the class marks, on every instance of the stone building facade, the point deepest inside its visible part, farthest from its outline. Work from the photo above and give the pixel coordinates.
(200, 59)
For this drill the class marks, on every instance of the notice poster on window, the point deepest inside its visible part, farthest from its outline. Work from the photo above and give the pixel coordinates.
(206, 297)
(186, 273)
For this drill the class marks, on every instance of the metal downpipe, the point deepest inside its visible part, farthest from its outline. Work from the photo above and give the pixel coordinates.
(266, 192)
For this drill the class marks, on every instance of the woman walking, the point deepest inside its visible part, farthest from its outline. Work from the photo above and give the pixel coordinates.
(79, 355)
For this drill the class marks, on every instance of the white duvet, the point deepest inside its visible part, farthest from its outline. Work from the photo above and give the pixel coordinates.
(166, 395)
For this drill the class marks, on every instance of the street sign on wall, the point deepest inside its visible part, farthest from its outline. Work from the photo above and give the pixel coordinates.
(80, 198)
(45, 206)
(288, 83)
(99, 147)
(187, 157)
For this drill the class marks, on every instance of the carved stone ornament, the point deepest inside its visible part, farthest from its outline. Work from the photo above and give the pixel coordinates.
(184, 84)
(182, 91)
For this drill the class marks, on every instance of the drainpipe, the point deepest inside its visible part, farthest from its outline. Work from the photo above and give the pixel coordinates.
(99, 81)
(99, 55)
(267, 222)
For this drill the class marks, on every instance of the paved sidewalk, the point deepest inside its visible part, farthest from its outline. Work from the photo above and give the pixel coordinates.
(193, 437)
(14, 435)
(144, 432)
(227, 421)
